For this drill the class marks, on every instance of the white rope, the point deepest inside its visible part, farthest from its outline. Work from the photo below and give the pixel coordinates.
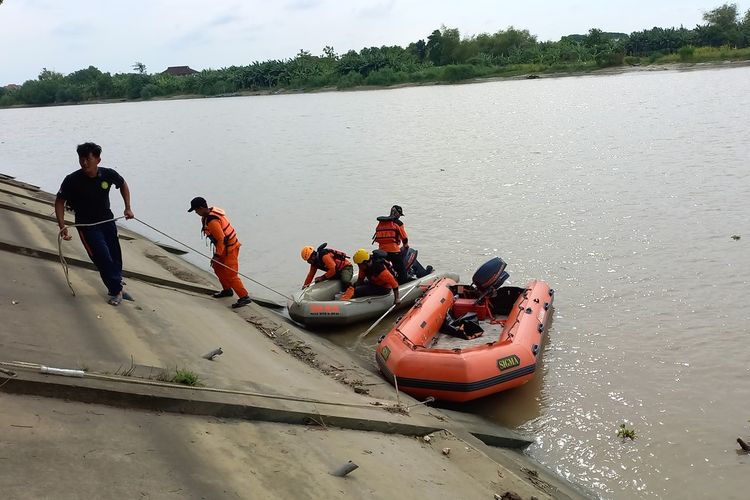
(64, 263)
(212, 259)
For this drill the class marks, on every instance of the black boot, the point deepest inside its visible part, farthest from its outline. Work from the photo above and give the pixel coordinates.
(224, 293)
(242, 301)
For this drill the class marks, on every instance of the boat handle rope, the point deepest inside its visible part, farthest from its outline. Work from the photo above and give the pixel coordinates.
(64, 263)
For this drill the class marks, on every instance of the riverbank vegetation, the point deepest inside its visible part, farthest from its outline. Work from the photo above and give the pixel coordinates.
(444, 56)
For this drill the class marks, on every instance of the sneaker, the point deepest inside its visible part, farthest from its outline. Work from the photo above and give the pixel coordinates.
(242, 301)
(115, 300)
(224, 293)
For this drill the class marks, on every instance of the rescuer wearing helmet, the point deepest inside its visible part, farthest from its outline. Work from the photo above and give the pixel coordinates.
(335, 263)
(225, 262)
(375, 275)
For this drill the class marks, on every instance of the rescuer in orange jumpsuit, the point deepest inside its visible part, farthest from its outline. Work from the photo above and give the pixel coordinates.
(225, 263)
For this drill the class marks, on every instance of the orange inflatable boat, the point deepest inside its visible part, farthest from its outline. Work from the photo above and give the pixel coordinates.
(462, 342)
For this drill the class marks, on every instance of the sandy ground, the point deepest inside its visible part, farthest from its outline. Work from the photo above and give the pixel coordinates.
(53, 448)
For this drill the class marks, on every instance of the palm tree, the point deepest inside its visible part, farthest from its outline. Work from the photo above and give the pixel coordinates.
(138, 66)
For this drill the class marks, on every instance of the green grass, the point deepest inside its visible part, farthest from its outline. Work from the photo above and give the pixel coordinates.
(624, 433)
(705, 54)
(185, 377)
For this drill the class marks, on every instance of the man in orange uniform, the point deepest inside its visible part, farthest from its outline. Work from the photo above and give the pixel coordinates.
(335, 264)
(389, 235)
(375, 275)
(225, 262)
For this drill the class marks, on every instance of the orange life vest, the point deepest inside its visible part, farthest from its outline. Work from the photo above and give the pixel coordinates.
(338, 256)
(387, 231)
(230, 235)
(377, 265)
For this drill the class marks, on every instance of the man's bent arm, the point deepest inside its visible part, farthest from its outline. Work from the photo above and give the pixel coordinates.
(125, 192)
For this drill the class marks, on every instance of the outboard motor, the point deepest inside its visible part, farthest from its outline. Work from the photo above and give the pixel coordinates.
(490, 276)
(414, 269)
(409, 257)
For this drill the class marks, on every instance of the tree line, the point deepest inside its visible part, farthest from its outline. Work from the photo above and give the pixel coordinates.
(443, 56)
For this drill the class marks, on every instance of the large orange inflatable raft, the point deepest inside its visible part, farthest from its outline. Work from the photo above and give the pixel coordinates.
(462, 342)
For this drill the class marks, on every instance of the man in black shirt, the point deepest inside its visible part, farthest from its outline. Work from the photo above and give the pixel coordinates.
(86, 191)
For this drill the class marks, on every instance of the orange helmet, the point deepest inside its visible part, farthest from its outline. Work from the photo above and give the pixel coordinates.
(307, 252)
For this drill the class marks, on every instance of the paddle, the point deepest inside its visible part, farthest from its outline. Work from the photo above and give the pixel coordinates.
(359, 339)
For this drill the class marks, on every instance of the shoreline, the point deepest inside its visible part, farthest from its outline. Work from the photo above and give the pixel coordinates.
(616, 70)
(272, 380)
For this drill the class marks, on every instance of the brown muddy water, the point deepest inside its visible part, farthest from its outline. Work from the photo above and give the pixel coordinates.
(622, 192)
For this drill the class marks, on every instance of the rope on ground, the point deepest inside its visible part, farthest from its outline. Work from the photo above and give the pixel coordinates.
(63, 262)
(35, 367)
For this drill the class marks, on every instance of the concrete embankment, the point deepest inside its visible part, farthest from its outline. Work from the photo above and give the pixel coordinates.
(273, 415)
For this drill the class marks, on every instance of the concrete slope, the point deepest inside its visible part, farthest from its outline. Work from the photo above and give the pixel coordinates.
(271, 380)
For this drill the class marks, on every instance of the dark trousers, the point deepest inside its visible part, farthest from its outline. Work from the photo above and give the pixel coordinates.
(367, 289)
(397, 260)
(419, 270)
(103, 247)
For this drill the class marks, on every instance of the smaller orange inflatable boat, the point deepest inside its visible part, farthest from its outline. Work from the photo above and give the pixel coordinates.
(462, 342)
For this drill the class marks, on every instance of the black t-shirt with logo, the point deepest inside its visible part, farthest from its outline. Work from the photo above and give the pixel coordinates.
(89, 196)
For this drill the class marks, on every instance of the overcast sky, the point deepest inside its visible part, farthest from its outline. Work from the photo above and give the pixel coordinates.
(69, 35)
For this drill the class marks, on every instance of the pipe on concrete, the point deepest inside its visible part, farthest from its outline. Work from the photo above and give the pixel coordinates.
(65, 372)
(345, 469)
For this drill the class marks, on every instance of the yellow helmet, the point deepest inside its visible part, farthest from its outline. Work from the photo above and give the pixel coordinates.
(360, 256)
(307, 252)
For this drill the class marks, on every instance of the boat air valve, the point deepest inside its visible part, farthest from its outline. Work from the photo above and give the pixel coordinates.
(528, 310)
(536, 300)
(381, 338)
(546, 306)
(535, 349)
(551, 292)
(540, 328)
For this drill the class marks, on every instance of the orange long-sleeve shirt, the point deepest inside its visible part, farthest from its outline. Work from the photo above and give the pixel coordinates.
(214, 227)
(384, 278)
(330, 264)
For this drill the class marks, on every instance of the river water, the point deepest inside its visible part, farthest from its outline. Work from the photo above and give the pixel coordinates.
(621, 191)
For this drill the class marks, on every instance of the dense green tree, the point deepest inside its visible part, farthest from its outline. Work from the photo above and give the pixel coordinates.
(329, 53)
(442, 45)
(723, 26)
(418, 49)
(442, 56)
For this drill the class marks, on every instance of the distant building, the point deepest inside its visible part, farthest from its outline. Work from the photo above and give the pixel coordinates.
(179, 71)
(12, 86)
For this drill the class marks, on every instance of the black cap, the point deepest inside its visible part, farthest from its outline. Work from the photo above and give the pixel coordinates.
(398, 210)
(197, 202)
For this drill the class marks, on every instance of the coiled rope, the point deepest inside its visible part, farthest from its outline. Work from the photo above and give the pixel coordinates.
(65, 264)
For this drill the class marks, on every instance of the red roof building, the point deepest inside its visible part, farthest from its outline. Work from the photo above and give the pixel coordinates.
(179, 71)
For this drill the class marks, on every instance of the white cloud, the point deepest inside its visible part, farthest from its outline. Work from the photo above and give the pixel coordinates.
(66, 36)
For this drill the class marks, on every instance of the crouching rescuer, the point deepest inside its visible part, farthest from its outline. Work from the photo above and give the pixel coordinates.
(225, 263)
(375, 275)
(334, 263)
